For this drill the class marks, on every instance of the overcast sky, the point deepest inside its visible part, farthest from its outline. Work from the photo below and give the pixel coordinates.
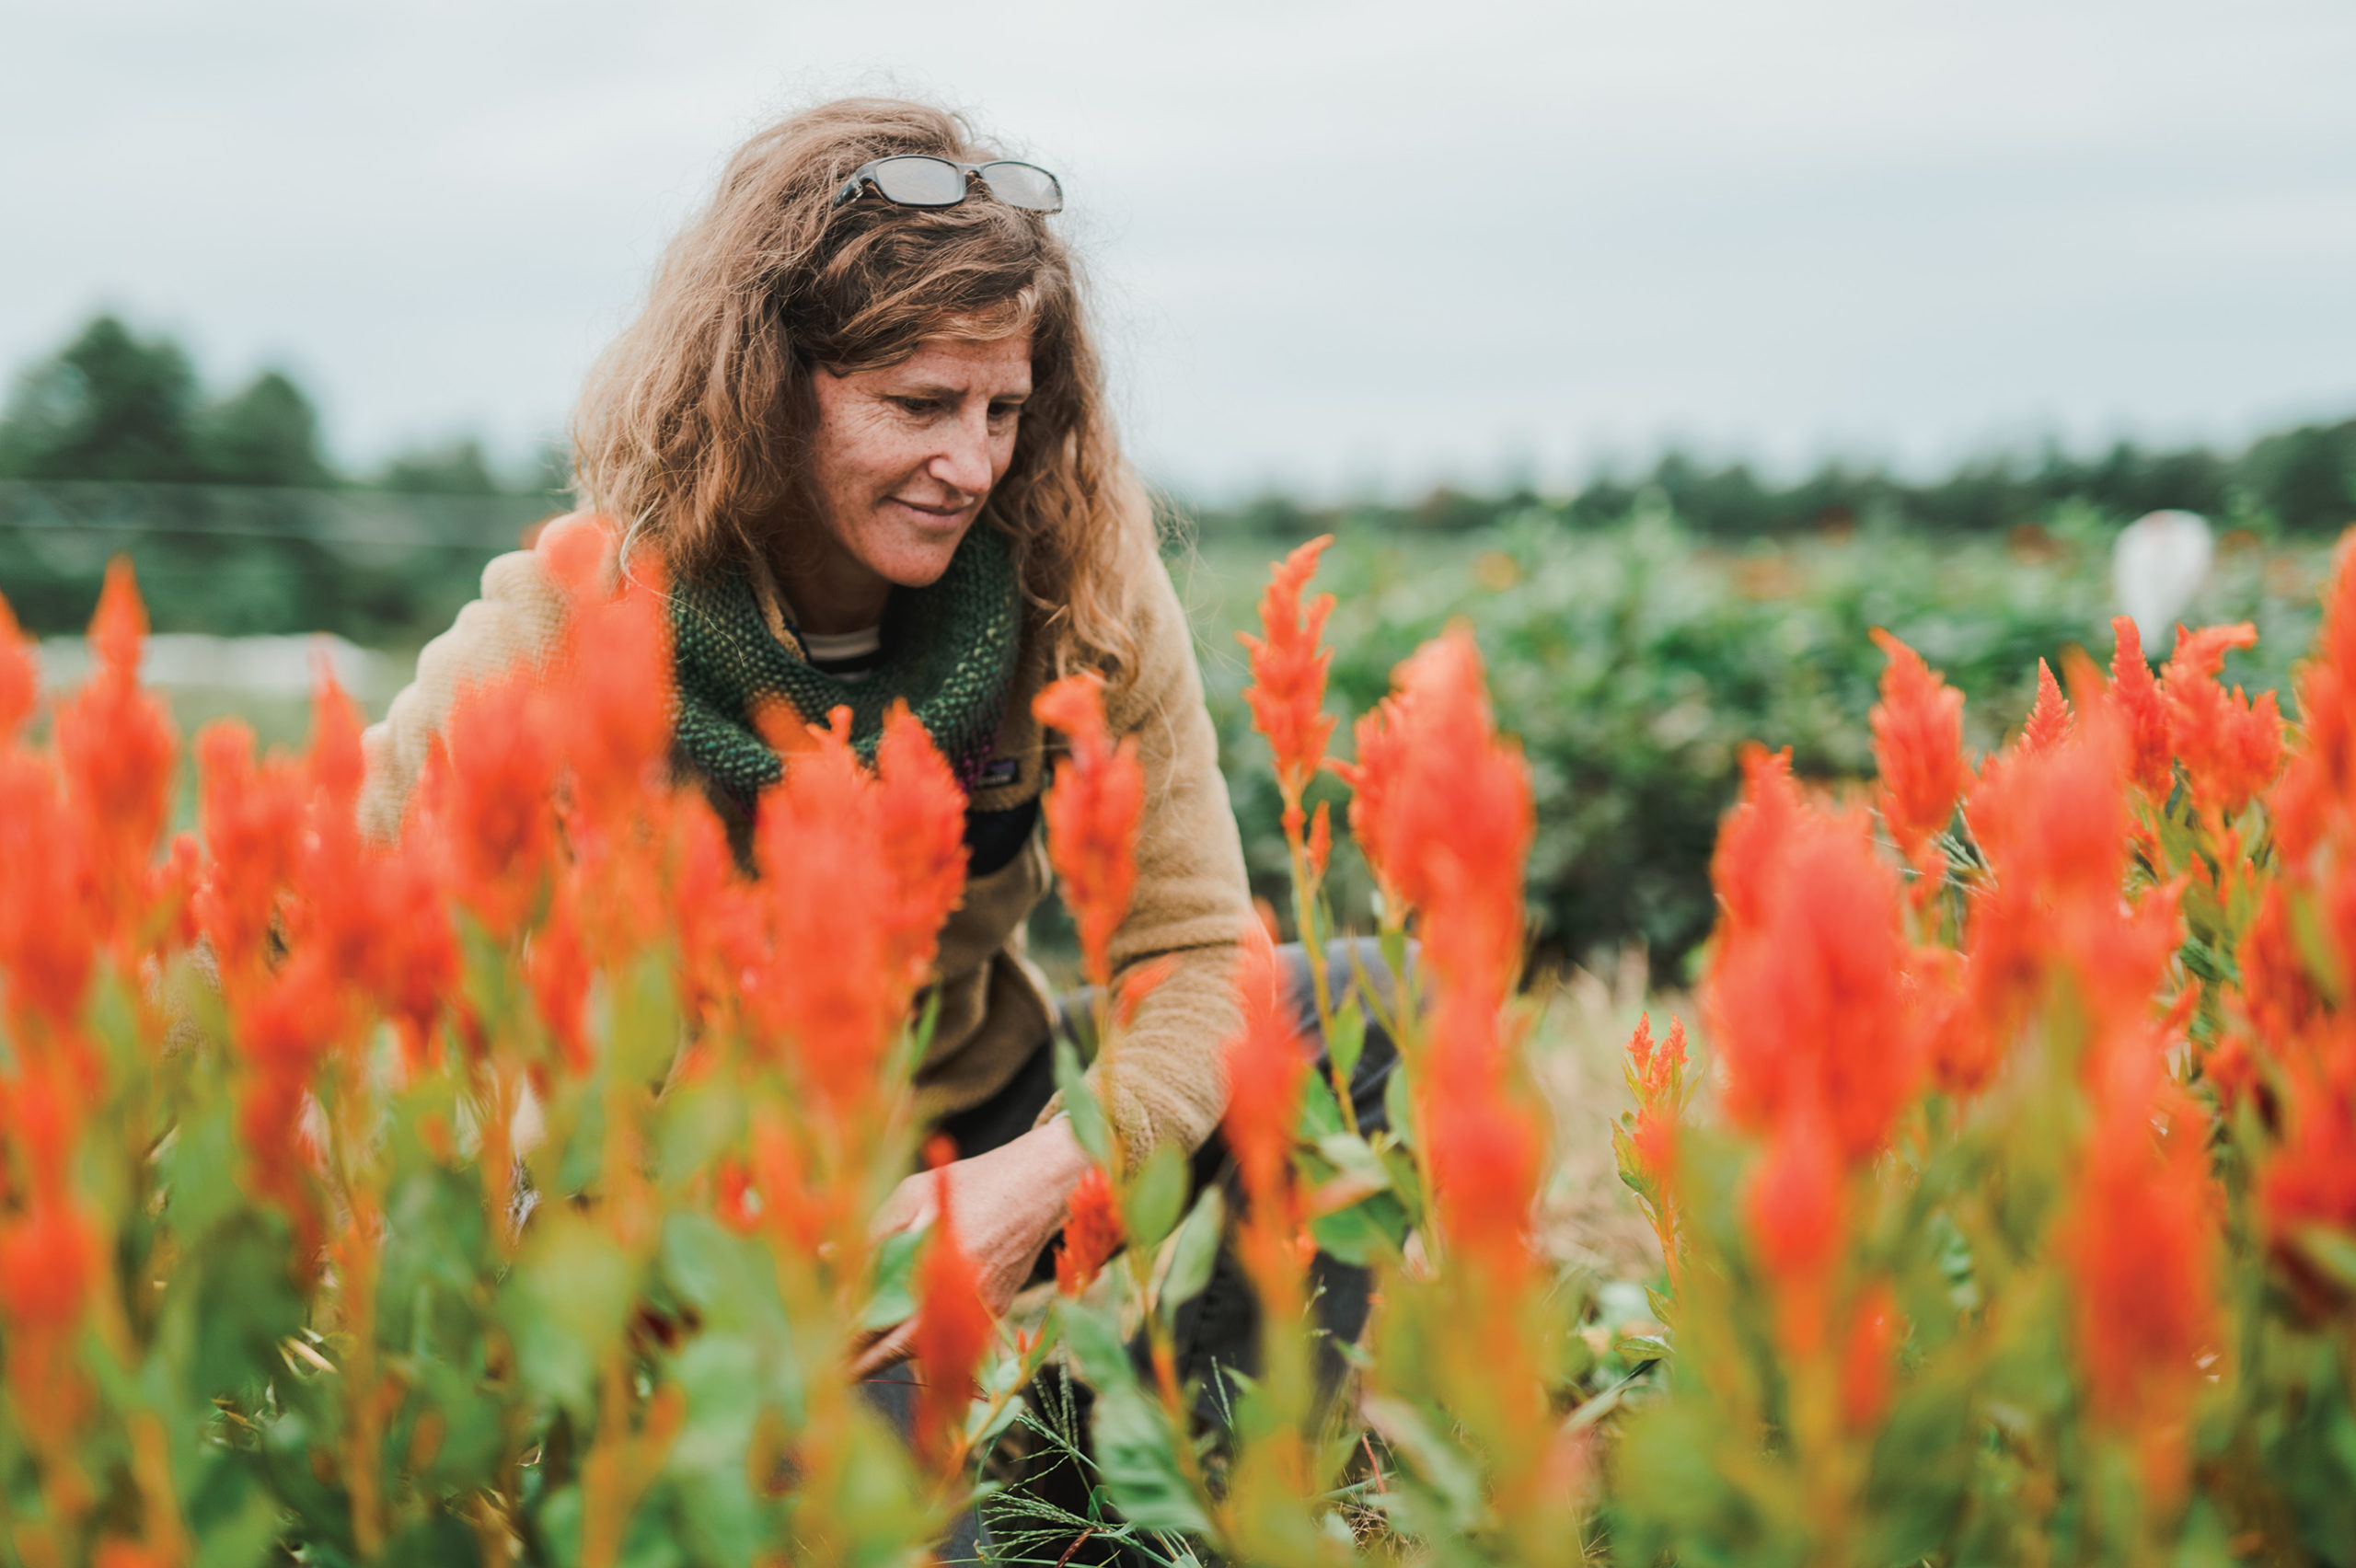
(1337, 245)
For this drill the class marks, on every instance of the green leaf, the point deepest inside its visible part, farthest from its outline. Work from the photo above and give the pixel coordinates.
(565, 1305)
(2332, 1250)
(1196, 1251)
(1079, 1104)
(894, 1298)
(1320, 1112)
(1136, 1453)
(1157, 1195)
(1094, 1336)
(1352, 1156)
(1399, 1106)
(1345, 1042)
(1362, 1233)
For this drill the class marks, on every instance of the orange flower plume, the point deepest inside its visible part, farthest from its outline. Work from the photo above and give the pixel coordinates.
(1443, 809)
(253, 820)
(1874, 1335)
(1266, 1062)
(20, 676)
(1287, 691)
(831, 993)
(1094, 810)
(1487, 1150)
(1796, 1214)
(2049, 721)
(1092, 1233)
(2135, 696)
(496, 790)
(1918, 745)
(953, 1330)
(1806, 991)
(116, 747)
(2231, 747)
(921, 823)
(1656, 1075)
(2137, 1243)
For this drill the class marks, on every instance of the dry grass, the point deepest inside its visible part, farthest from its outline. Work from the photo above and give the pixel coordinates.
(1587, 1218)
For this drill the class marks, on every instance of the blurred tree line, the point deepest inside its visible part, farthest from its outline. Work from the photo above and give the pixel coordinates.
(2299, 480)
(112, 405)
(234, 515)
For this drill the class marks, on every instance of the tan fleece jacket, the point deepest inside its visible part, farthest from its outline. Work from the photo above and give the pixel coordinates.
(1192, 898)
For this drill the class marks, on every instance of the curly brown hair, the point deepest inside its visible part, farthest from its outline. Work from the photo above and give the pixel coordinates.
(694, 425)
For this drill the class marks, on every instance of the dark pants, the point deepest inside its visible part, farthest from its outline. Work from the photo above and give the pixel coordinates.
(1217, 1332)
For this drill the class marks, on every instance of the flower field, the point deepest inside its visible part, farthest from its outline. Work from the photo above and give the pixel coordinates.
(1633, 659)
(504, 1196)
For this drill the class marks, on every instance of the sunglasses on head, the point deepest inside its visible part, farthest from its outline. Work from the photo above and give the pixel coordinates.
(919, 179)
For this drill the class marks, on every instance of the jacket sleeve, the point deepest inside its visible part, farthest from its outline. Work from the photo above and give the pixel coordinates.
(518, 621)
(1191, 900)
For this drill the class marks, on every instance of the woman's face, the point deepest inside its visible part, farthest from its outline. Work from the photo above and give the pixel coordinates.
(904, 456)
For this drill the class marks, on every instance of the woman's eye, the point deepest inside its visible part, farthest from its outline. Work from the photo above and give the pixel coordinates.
(918, 405)
(1002, 412)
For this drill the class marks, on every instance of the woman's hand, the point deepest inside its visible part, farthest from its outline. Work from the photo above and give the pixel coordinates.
(1009, 1201)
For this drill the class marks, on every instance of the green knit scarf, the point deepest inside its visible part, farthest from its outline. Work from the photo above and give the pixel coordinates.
(949, 650)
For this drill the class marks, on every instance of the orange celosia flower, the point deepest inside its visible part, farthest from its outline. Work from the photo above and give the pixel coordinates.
(1443, 808)
(2049, 721)
(831, 989)
(1796, 1215)
(49, 1259)
(560, 971)
(1807, 1005)
(2317, 791)
(47, 929)
(1753, 836)
(614, 681)
(253, 822)
(2137, 1242)
(1093, 808)
(1382, 743)
(1655, 1076)
(2230, 746)
(52, 1260)
(116, 1552)
(921, 825)
(116, 746)
(282, 1030)
(20, 676)
(1487, 1148)
(1287, 691)
(952, 1330)
(1320, 848)
(496, 800)
(831, 838)
(1874, 1334)
(1962, 1056)
(1266, 1062)
(2054, 827)
(2309, 1180)
(1092, 1233)
(1918, 745)
(2135, 698)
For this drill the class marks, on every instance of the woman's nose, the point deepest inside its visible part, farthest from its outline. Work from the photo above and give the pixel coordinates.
(963, 462)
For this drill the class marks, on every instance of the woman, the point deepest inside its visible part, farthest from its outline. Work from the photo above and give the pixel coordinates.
(861, 421)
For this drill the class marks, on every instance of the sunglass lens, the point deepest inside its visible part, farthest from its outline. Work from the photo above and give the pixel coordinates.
(1025, 185)
(915, 181)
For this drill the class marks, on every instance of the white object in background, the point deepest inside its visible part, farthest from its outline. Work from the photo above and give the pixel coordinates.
(2157, 565)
